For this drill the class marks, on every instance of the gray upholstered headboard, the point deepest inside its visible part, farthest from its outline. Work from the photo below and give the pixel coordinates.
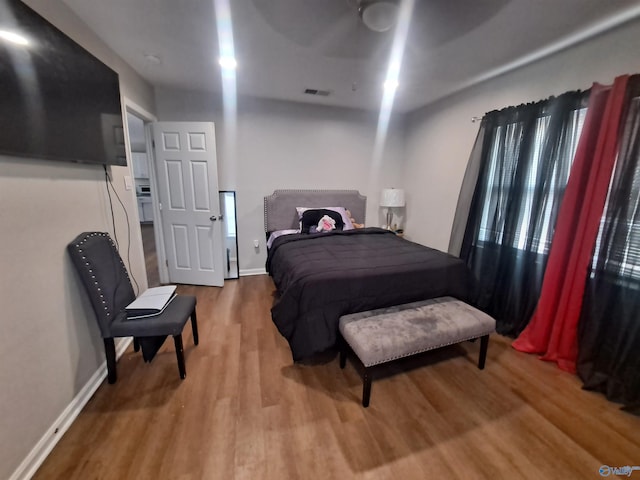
(280, 207)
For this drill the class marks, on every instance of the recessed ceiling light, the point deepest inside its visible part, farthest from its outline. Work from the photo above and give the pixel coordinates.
(13, 37)
(228, 63)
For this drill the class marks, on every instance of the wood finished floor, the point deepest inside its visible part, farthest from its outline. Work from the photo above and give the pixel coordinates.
(246, 412)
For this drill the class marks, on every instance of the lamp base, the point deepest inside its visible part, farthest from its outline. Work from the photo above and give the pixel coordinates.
(389, 218)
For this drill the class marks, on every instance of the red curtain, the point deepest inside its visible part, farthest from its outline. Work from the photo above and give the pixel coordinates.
(552, 330)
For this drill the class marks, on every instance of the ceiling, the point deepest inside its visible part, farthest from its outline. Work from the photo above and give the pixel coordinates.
(285, 46)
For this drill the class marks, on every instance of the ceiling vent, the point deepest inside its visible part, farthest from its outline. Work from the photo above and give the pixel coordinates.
(315, 91)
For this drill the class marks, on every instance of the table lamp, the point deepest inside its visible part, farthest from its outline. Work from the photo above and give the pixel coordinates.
(391, 198)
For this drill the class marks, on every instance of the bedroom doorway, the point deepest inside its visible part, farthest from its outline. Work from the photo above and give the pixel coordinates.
(141, 167)
(195, 253)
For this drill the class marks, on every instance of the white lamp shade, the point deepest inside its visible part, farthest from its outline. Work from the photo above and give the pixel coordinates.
(392, 197)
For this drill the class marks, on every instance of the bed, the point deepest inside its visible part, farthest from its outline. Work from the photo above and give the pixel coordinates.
(321, 276)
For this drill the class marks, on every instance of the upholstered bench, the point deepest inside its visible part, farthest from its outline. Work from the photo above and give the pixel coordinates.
(387, 334)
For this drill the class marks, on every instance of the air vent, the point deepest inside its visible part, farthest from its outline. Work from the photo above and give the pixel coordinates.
(315, 91)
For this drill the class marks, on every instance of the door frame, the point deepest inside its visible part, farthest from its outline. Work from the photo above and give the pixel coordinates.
(148, 118)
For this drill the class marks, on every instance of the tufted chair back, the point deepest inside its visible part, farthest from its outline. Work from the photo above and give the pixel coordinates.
(104, 276)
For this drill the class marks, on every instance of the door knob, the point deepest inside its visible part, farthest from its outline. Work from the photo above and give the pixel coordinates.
(213, 218)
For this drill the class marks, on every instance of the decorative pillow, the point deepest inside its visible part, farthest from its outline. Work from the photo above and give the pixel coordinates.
(311, 218)
(347, 225)
(326, 224)
(353, 222)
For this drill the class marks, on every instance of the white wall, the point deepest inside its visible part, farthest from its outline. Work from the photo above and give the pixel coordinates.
(51, 345)
(440, 137)
(285, 145)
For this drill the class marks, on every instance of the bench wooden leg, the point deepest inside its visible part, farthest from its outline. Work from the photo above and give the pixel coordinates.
(343, 353)
(366, 387)
(484, 343)
(136, 344)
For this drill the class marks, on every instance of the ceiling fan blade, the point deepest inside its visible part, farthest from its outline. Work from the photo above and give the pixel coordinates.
(301, 21)
(338, 33)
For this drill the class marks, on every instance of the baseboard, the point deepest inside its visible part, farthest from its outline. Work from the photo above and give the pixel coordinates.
(54, 433)
(246, 272)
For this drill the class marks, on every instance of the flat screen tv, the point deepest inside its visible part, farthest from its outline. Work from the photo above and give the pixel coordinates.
(57, 101)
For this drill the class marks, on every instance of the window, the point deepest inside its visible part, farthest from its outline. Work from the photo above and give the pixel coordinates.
(618, 242)
(504, 155)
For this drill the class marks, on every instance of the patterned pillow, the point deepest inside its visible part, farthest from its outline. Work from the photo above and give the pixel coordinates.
(312, 216)
(346, 222)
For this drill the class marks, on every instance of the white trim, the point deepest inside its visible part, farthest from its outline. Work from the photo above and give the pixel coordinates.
(148, 119)
(161, 251)
(138, 110)
(54, 433)
(246, 272)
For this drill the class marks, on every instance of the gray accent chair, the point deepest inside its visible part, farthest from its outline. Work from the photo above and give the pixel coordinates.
(107, 284)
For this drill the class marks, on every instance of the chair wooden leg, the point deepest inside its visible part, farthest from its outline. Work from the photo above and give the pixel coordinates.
(110, 352)
(194, 326)
(177, 339)
(136, 344)
(484, 344)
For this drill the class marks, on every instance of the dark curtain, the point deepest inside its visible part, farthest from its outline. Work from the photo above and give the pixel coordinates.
(466, 194)
(609, 328)
(525, 159)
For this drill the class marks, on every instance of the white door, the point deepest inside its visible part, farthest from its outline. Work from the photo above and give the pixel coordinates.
(190, 207)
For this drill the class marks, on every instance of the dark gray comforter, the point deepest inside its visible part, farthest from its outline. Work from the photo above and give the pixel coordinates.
(321, 277)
